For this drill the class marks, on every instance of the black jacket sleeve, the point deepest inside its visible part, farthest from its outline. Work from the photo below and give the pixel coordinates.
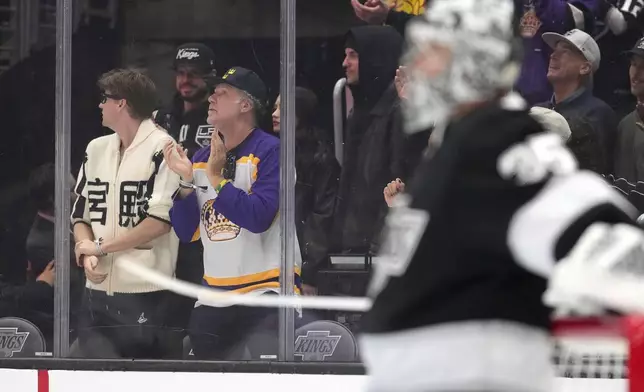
(33, 296)
(316, 230)
(407, 149)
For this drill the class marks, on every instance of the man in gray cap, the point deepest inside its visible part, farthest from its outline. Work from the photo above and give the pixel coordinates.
(575, 58)
(629, 152)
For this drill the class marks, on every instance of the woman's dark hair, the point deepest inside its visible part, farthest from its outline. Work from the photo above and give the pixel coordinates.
(306, 104)
(311, 140)
(41, 186)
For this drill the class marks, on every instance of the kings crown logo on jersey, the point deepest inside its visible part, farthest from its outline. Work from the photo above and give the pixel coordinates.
(316, 345)
(530, 22)
(11, 341)
(218, 228)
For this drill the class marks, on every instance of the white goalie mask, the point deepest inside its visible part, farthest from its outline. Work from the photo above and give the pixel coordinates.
(458, 52)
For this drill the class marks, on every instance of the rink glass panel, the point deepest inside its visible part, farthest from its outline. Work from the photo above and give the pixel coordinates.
(50, 108)
(27, 155)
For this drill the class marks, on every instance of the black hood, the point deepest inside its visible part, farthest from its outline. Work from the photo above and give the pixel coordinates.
(379, 49)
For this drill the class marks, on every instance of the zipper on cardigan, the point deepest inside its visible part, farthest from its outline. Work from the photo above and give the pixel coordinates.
(115, 195)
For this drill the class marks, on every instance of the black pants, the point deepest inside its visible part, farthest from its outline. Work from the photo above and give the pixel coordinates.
(215, 333)
(189, 269)
(123, 325)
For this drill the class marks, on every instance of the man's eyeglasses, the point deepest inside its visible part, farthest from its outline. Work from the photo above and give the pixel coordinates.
(105, 96)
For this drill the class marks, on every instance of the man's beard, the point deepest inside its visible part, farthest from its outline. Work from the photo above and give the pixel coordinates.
(198, 96)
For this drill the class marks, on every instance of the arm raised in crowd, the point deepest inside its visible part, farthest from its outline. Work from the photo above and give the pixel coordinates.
(378, 12)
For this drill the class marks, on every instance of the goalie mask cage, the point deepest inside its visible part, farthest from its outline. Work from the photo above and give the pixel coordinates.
(600, 349)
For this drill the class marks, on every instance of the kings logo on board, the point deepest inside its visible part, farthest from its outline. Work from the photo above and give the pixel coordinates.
(11, 341)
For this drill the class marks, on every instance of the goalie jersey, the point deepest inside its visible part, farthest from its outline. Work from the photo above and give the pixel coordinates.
(485, 221)
(466, 256)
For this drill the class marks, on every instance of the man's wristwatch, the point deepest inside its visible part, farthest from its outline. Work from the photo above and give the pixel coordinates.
(186, 185)
(189, 185)
(99, 249)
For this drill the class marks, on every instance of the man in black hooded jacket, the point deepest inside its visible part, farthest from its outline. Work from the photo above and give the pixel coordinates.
(375, 149)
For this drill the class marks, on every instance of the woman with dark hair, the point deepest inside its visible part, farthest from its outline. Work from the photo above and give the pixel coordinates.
(317, 177)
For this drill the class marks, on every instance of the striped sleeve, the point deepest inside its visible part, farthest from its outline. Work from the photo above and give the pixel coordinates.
(80, 209)
(162, 186)
(254, 211)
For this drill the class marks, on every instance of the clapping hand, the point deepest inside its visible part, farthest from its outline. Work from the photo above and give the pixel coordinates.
(392, 189)
(216, 160)
(400, 81)
(177, 160)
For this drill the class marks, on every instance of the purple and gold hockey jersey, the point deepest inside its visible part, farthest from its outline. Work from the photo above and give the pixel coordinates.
(238, 226)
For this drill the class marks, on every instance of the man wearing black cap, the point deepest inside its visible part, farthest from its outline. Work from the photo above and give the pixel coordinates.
(230, 198)
(629, 153)
(185, 120)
